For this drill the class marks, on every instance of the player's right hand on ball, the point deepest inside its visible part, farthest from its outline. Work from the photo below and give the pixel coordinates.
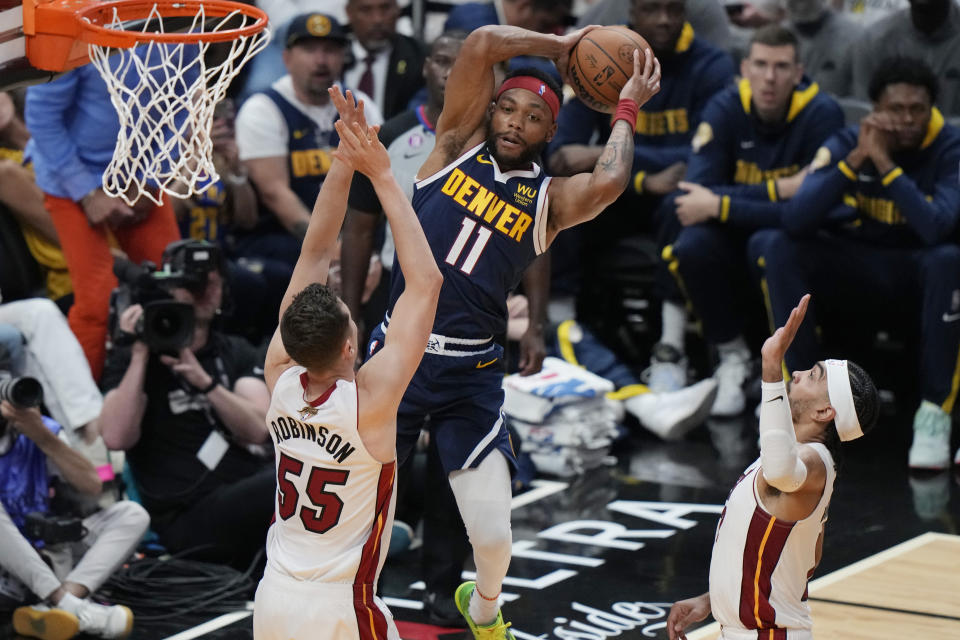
(645, 81)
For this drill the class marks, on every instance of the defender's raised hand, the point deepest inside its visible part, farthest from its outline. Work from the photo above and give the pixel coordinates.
(361, 149)
(775, 347)
(351, 110)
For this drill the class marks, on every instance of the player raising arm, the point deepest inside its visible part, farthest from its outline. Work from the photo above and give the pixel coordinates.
(802, 423)
(335, 432)
(517, 126)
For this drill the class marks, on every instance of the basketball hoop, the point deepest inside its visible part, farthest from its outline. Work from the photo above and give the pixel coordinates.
(162, 77)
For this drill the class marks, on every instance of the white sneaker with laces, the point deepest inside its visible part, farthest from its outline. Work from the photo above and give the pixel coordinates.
(931, 438)
(730, 375)
(667, 370)
(115, 621)
(673, 414)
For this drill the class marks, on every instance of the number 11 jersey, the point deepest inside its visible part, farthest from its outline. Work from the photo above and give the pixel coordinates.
(334, 502)
(484, 226)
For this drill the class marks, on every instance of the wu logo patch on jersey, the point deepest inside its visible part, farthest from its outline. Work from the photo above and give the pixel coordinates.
(307, 412)
(525, 195)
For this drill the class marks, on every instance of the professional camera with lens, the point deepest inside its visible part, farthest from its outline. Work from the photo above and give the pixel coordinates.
(166, 325)
(22, 392)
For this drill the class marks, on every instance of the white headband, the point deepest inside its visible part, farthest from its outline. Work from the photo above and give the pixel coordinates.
(841, 399)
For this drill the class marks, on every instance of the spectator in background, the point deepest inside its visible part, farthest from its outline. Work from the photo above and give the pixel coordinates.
(542, 16)
(21, 196)
(875, 224)
(693, 72)
(409, 139)
(928, 30)
(707, 17)
(826, 43)
(74, 130)
(749, 153)
(285, 136)
(186, 423)
(386, 65)
(37, 469)
(51, 354)
(216, 214)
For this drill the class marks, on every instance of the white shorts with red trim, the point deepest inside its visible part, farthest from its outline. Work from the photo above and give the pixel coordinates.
(738, 633)
(289, 609)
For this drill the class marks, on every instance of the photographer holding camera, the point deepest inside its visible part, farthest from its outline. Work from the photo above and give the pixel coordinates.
(35, 463)
(188, 413)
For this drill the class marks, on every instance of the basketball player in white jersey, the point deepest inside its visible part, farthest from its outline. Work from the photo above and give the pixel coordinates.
(770, 536)
(335, 431)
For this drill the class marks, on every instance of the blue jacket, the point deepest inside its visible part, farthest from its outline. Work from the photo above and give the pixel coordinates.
(739, 157)
(917, 203)
(74, 130)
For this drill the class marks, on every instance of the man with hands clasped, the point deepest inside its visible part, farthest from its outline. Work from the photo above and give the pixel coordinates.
(770, 536)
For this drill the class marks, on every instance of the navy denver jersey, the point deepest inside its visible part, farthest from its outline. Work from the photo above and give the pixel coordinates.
(484, 226)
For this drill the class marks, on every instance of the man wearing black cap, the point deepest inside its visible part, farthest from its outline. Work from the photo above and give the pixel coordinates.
(285, 134)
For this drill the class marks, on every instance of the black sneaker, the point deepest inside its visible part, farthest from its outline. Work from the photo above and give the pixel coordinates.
(442, 611)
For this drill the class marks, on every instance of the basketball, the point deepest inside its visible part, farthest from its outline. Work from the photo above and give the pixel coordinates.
(601, 63)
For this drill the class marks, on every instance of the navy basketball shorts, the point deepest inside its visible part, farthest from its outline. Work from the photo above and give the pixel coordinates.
(456, 394)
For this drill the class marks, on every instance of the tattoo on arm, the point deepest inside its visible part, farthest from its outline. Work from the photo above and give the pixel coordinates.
(617, 155)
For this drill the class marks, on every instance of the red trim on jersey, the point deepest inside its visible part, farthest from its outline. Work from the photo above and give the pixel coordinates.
(305, 380)
(766, 537)
(371, 622)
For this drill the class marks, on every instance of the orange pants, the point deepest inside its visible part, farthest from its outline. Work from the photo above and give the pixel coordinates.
(87, 252)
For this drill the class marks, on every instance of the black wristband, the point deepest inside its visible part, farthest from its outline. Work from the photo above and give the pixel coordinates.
(210, 387)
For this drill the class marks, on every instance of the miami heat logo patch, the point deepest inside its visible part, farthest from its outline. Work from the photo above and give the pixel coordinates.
(307, 412)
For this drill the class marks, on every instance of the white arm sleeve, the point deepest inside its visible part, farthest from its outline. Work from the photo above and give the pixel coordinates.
(779, 453)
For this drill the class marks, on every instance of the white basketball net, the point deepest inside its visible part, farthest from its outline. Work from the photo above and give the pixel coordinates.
(165, 95)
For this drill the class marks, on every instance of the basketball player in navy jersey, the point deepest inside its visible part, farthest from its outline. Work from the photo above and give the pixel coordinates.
(334, 431)
(488, 211)
(770, 537)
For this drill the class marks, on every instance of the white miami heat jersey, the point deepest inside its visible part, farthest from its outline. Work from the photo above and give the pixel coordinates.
(334, 502)
(761, 565)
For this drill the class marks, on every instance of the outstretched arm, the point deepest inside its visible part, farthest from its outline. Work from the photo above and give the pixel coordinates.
(470, 85)
(383, 380)
(796, 471)
(321, 236)
(582, 197)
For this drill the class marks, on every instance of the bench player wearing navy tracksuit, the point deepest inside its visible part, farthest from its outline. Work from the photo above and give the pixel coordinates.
(883, 204)
(488, 211)
(693, 71)
(749, 153)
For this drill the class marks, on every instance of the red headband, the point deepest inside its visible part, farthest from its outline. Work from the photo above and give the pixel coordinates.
(534, 86)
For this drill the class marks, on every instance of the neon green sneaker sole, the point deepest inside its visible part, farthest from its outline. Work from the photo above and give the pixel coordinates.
(497, 630)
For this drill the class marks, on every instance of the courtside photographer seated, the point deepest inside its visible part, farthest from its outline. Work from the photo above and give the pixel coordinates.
(188, 402)
(44, 522)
